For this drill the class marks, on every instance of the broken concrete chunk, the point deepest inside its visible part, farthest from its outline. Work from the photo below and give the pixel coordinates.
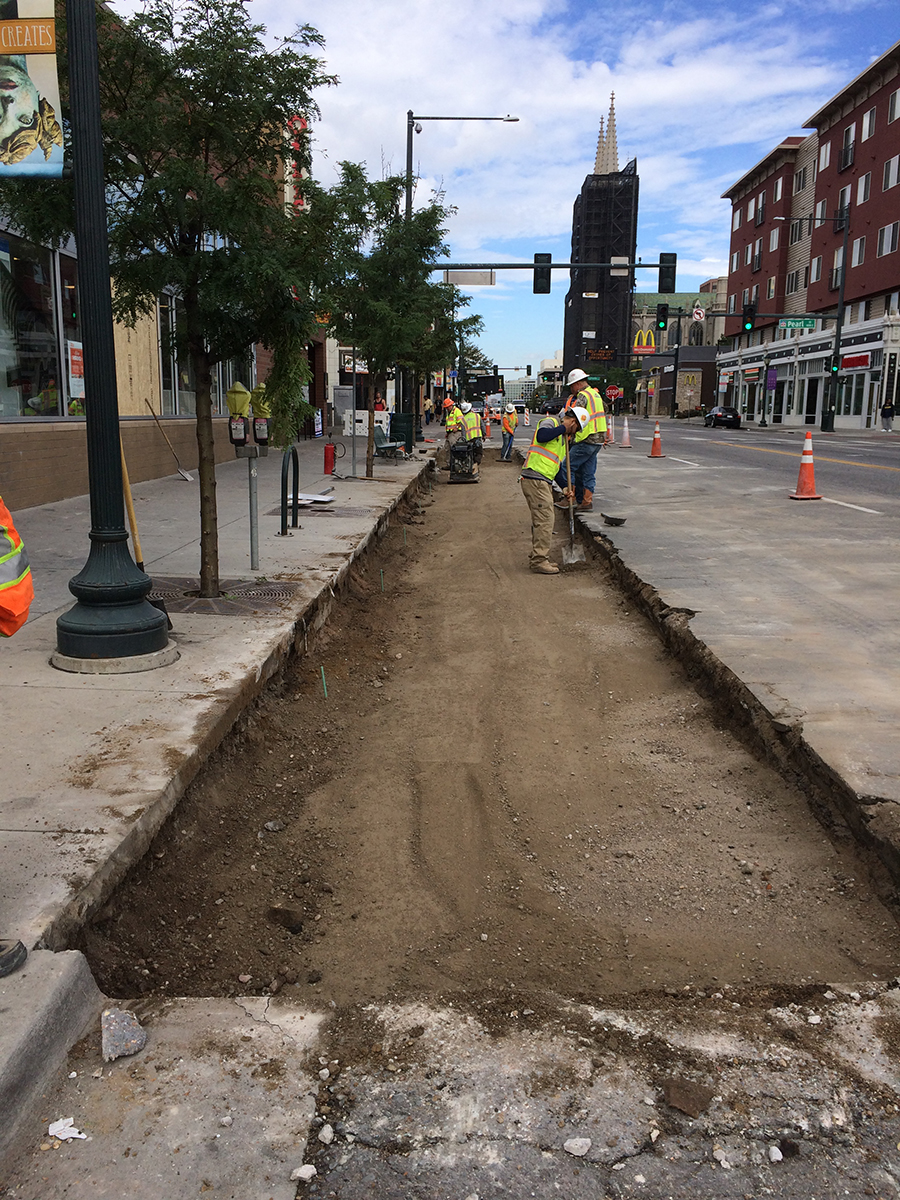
(326, 1135)
(304, 1173)
(122, 1034)
(688, 1097)
(577, 1146)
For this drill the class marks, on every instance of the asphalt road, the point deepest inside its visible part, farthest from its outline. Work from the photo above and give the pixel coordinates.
(857, 469)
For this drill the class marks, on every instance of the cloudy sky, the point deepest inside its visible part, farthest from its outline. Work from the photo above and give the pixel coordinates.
(702, 92)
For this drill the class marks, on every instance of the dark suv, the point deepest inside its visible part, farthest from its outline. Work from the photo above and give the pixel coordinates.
(729, 417)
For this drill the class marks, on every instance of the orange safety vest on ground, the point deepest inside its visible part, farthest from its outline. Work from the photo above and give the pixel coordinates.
(16, 589)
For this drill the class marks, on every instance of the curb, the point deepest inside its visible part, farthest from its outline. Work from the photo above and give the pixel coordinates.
(46, 1006)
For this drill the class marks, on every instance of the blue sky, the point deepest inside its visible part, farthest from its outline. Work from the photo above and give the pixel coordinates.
(702, 92)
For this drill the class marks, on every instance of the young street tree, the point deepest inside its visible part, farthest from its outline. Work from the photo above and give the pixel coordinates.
(196, 111)
(388, 307)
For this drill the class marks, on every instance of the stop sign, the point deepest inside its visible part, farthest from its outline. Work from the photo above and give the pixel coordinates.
(613, 392)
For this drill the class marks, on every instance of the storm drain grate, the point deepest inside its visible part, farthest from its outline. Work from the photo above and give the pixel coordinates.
(240, 597)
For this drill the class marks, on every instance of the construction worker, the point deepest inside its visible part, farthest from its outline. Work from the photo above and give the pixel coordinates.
(588, 443)
(453, 421)
(545, 457)
(509, 426)
(473, 431)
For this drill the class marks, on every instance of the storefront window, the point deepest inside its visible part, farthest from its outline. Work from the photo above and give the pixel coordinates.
(29, 359)
(71, 329)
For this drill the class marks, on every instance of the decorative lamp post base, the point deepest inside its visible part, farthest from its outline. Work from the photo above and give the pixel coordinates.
(116, 666)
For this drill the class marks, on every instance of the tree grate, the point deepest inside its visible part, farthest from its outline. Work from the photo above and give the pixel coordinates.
(240, 597)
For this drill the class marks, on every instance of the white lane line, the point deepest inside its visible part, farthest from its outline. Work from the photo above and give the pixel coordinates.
(858, 507)
(683, 460)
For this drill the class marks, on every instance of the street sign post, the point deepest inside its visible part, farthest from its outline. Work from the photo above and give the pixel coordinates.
(699, 314)
(613, 392)
(797, 323)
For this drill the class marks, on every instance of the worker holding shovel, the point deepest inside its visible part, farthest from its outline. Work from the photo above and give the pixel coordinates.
(546, 456)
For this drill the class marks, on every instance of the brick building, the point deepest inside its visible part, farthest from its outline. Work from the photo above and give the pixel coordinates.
(815, 232)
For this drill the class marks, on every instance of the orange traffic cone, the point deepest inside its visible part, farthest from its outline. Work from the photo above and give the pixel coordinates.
(625, 443)
(806, 481)
(611, 431)
(656, 448)
(487, 425)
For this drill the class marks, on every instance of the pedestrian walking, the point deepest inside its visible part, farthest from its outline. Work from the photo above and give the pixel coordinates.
(546, 456)
(887, 416)
(588, 442)
(509, 425)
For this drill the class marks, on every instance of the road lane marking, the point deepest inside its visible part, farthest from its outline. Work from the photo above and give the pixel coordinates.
(844, 462)
(683, 460)
(858, 507)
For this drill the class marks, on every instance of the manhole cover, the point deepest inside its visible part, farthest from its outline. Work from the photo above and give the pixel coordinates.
(240, 597)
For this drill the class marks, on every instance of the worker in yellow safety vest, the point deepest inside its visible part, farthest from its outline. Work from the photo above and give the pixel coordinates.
(509, 425)
(546, 457)
(588, 443)
(473, 431)
(453, 422)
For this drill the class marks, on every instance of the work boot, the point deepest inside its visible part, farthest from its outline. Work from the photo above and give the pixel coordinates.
(587, 504)
(545, 568)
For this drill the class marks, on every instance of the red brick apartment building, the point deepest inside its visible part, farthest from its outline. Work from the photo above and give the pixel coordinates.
(815, 233)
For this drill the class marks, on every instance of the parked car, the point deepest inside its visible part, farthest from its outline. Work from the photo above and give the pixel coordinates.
(552, 406)
(729, 417)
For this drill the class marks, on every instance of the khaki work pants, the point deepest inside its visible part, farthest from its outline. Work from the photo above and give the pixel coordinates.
(539, 497)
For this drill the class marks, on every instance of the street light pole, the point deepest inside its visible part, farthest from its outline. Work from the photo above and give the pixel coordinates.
(112, 627)
(827, 425)
(413, 126)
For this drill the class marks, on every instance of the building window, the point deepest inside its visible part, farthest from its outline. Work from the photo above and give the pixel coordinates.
(735, 260)
(796, 232)
(736, 219)
(863, 187)
(815, 269)
(745, 296)
(847, 149)
(776, 190)
(770, 288)
(858, 254)
(891, 172)
(792, 283)
(30, 380)
(868, 125)
(774, 235)
(892, 302)
(799, 180)
(887, 239)
(757, 254)
(748, 254)
(751, 209)
(754, 294)
(731, 302)
(894, 106)
(824, 156)
(821, 211)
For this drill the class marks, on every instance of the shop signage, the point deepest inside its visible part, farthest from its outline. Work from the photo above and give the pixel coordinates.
(856, 362)
(644, 342)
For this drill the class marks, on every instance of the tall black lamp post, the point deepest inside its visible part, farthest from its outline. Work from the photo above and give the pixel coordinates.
(112, 626)
(413, 126)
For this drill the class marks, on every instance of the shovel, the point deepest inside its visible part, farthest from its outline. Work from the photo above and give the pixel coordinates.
(186, 475)
(572, 553)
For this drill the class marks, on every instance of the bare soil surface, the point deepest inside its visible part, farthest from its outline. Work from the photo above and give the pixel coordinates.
(510, 786)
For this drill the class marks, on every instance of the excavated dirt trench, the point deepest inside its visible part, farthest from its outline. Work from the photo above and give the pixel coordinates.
(510, 786)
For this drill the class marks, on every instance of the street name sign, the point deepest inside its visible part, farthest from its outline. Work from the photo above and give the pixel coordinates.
(797, 323)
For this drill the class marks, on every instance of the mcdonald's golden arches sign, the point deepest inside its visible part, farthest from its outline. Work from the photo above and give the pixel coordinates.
(644, 342)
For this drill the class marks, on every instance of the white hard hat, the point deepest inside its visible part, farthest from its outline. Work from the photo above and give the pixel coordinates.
(510, 408)
(574, 376)
(466, 406)
(581, 415)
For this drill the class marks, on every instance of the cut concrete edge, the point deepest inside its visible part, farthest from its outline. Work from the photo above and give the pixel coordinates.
(775, 729)
(45, 1007)
(291, 636)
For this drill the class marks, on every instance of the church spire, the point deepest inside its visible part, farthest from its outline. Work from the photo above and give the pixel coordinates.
(611, 157)
(600, 157)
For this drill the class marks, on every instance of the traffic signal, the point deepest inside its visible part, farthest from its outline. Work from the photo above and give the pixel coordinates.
(749, 318)
(835, 364)
(528, 371)
(495, 369)
(662, 317)
(541, 285)
(667, 273)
